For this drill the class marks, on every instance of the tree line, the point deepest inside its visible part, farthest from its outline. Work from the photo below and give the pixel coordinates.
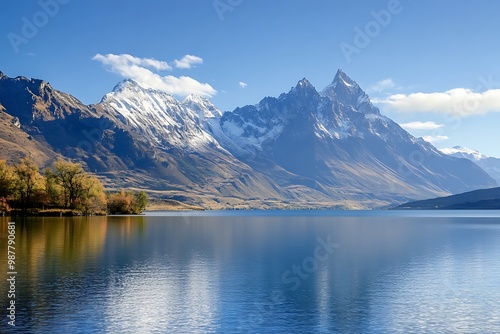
(64, 186)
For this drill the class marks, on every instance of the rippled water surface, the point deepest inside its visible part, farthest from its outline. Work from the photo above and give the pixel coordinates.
(257, 272)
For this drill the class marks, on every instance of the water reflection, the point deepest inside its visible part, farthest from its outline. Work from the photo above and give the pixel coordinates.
(457, 290)
(151, 297)
(224, 274)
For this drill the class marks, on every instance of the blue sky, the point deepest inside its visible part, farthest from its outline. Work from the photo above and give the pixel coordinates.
(433, 64)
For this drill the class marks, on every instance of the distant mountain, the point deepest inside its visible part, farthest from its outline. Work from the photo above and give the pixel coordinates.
(484, 199)
(490, 164)
(301, 149)
(339, 144)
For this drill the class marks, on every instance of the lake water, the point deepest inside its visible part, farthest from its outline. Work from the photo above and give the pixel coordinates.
(256, 272)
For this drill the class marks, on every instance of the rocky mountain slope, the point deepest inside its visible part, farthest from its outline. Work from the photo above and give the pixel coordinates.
(302, 149)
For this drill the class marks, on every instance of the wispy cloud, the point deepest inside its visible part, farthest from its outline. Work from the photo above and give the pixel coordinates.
(124, 60)
(382, 85)
(242, 84)
(459, 101)
(188, 61)
(421, 126)
(434, 139)
(141, 70)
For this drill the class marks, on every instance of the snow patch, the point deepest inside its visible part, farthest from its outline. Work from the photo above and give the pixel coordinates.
(475, 155)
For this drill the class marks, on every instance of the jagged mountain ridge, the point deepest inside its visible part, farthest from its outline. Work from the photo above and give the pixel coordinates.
(338, 142)
(156, 142)
(303, 148)
(63, 124)
(179, 142)
(159, 116)
(347, 92)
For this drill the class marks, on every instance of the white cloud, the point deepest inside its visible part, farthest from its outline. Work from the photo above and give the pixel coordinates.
(382, 85)
(459, 102)
(242, 84)
(127, 60)
(139, 69)
(188, 61)
(421, 126)
(449, 151)
(155, 64)
(434, 139)
(458, 149)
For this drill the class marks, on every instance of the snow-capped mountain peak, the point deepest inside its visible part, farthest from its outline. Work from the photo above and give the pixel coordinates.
(304, 83)
(160, 116)
(202, 106)
(465, 153)
(490, 164)
(129, 88)
(303, 88)
(344, 79)
(346, 91)
(341, 82)
(126, 84)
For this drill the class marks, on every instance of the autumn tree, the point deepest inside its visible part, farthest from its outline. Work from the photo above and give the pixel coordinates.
(93, 198)
(6, 180)
(27, 181)
(71, 177)
(127, 202)
(79, 189)
(119, 203)
(53, 189)
(6, 185)
(66, 184)
(141, 201)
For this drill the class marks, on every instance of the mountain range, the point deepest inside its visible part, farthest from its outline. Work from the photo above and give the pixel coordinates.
(303, 149)
(490, 165)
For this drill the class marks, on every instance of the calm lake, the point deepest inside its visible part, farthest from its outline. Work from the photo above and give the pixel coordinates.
(256, 272)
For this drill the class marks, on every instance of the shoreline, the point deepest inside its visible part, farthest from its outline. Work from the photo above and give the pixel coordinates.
(171, 205)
